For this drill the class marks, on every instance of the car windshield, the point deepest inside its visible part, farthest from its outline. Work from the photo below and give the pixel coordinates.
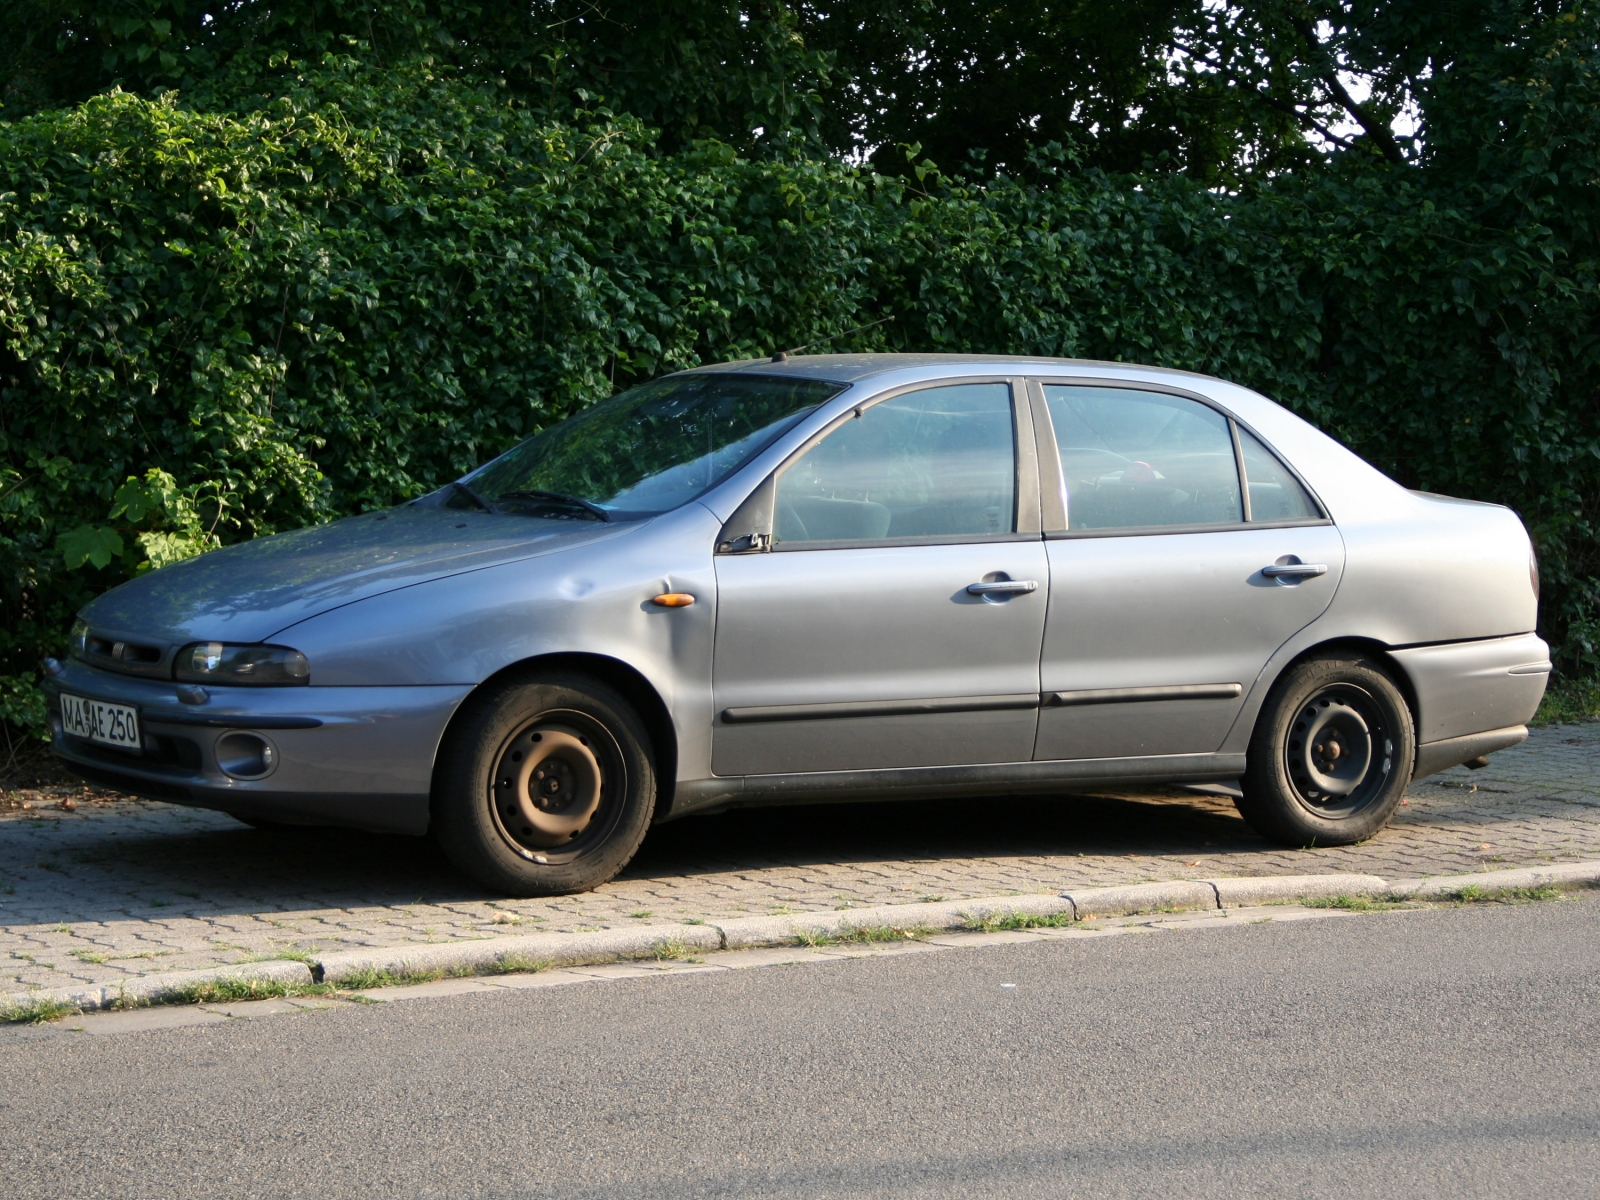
(647, 450)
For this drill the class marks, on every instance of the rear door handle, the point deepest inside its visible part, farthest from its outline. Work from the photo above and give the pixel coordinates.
(1003, 587)
(1295, 570)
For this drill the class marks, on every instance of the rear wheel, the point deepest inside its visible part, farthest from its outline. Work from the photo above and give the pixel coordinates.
(1331, 755)
(544, 786)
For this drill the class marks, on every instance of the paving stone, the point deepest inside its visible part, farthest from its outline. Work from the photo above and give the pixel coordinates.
(154, 888)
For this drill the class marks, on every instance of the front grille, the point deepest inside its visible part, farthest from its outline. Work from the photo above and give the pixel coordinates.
(172, 750)
(127, 656)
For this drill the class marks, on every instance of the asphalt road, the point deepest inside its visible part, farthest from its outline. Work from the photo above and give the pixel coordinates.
(1408, 1054)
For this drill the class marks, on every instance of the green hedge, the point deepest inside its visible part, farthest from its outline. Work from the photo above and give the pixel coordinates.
(217, 325)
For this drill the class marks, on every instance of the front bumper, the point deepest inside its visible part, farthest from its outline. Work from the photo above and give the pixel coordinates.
(356, 756)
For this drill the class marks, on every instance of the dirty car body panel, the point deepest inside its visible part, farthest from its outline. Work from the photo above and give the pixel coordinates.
(1068, 575)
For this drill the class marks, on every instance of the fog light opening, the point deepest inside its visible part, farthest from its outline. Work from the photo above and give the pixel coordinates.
(245, 755)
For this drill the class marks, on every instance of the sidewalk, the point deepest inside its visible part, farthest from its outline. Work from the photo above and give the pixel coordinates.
(122, 888)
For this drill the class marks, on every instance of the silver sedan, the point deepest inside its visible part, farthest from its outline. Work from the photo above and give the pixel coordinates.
(826, 578)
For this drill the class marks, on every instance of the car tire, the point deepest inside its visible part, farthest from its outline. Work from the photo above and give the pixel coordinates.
(1331, 755)
(544, 785)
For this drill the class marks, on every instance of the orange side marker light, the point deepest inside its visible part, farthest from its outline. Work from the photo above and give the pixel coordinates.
(674, 600)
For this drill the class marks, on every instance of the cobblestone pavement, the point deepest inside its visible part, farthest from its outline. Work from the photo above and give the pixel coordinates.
(117, 888)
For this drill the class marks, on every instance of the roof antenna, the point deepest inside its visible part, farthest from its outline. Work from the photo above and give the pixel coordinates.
(783, 355)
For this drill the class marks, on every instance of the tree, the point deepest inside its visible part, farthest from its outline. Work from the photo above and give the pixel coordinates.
(694, 69)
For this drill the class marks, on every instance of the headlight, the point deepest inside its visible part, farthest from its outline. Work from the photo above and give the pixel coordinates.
(78, 638)
(261, 666)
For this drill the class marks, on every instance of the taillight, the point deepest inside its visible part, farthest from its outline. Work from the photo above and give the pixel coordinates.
(1533, 570)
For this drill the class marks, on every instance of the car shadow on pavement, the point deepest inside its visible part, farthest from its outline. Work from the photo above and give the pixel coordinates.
(179, 863)
(1161, 822)
(166, 862)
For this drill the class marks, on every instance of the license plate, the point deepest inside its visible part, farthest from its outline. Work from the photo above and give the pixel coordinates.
(113, 724)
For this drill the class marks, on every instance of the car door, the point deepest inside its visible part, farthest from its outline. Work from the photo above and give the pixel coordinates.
(893, 612)
(1170, 584)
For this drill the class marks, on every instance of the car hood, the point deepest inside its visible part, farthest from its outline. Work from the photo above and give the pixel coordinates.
(248, 592)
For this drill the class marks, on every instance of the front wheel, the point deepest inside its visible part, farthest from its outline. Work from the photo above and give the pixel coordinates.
(544, 786)
(1331, 755)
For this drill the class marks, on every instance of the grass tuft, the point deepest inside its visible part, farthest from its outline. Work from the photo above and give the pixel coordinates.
(371, 977)
(674, 948)
(231, 991)
(1469, 893)
(36, 1012)
(517, 964)
(865, 934)
(1352, 903)
(1473, 894)
(368, 978)
(1060, 920)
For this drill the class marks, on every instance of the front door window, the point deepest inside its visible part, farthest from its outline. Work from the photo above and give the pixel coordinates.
(936, 465)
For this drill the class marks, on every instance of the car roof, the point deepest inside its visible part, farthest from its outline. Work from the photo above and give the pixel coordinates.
(852, 368)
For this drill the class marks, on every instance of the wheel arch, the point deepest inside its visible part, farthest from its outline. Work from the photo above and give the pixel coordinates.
(626, 679)
(1372, 648)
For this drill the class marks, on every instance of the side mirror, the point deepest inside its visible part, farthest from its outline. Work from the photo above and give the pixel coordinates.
(749, 530)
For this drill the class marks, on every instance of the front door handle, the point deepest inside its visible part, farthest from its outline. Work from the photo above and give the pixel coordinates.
(1003, 587)
(1295, 570)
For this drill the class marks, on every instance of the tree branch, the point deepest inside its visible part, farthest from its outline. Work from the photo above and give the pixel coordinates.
(1382, 136)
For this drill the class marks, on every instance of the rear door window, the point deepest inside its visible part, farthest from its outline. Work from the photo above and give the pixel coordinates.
(1138, 460)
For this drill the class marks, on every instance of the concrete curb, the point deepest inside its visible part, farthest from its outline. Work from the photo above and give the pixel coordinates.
(750, 932)
(534, 951)
(486, 956)
(1554, 875)
(157, 989)
(1240, 892)
(1166, 896)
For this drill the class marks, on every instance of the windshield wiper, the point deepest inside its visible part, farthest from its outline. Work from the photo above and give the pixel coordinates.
(561, 498)
(473, 495)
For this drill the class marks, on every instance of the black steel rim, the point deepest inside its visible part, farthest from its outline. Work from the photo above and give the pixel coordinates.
(557, 789)
(1339, 752)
